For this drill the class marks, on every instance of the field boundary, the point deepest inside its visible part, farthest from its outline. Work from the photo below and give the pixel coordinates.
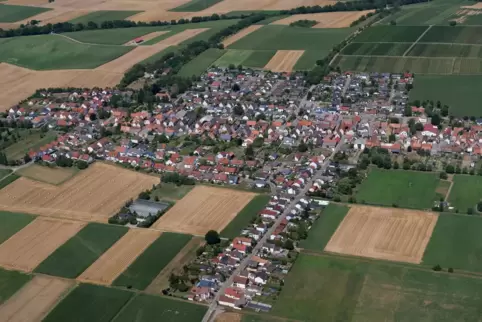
(416, 41)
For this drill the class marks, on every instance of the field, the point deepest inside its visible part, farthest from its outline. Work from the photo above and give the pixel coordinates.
(358, 290)
(284, 60)
(80, 251)
(119, 257)
(203, 209)
(109, 188)
(459, 34)
(28, 142)
(49, 175)
(406, 189)
(11, 282)
(195, 5)
(12, 223)
(384, 233)
(391, 34)
(33, 301)
(147, 308)
(246, 58)
(308, 60)
(200, 63)
(89, 303)
(325, 227)
(103, 15)
(241, 34)
(326, 19)
(170, 191)
(9, 13)
(30, 246)
(466, 192)
(4, 173)
(375, 49)
(8, 180)
(427, 13)
(148, 265)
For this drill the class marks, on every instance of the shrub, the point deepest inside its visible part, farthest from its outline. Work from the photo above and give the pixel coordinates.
(437, 268)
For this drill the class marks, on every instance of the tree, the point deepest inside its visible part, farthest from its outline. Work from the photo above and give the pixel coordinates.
(212, 237)
(144, 195)
(435, 120)
(393, 22)
(82, 165)
(450, 270)
(302, 147)
(392, 138)
(452, 23)
(470, 211)
(437, 268)
(236, 88)
(443, 175)
(288, 244)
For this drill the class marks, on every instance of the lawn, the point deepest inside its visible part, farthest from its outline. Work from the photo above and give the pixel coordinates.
(148, 265)
(244, 217)
(458, 34)
(462, 94)
(391, 34)
(12, 222)
(147, 308)
(10, 13)
(377, 49)
(354, 290)
(28, 142)
(276, 37)
(171, 191)
(456, 242)
(445, 50)
(80, 251)
(200, 63)
(466, 192)
(45, 52)
(89, 303)
(103, 15)
(322, 230)
(308, 60)
(11, 282)
(195, 5)
(8, 180)
(405, 189)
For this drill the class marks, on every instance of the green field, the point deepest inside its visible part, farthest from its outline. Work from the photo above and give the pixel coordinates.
(308, 60)
(391, 34)
(56, 52)
(148, 308)
(445, 50)
(28, 142)
(456, 242)
(275, 37)
(11, 223)
(466, 191)
(246, 58)
(244, 217)
(4, 173)
(322, 230)
(80, 251)
(200, 63)
(354, 290)
(171, 191)
(10, 13)
(195, 5)
(427, 13)
(376, 49)
(148, 265)
(103, 15)
(8, 180)
(11, 282)
(406, 189)
(458, 34)
(259, 58)
(89, 303)
(462, 94)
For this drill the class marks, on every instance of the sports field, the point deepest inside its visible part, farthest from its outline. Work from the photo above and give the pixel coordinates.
(46, 174)
(103, 15)
(405, 189)
(12, 223)
(80, 251)
(356, 290)
(11, 13)
(200, 63)
(11, 282)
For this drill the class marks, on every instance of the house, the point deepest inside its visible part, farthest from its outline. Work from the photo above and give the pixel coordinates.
(261, 278)
(241, 282)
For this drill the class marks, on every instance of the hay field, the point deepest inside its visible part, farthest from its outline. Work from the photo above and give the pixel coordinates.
(94, 194)
(326, 19)
(147, 37)
(241, 34)
(384, 233)
(202, 209)
(46, 174)
(284, 60)
(33, 301)
(119, 257)
(30, 246)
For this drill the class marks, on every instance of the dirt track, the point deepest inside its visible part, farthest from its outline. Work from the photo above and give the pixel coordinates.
(326, 19)
(33, 301)
(284, 60)
(384, 233)
(243, 33)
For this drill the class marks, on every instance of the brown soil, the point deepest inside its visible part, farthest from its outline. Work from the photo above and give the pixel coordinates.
(284, 60)
(229, 317)
(243, 33)
(326, 19)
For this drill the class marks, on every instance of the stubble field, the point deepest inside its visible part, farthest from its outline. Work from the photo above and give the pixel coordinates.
(94, 194)
(326, 19)
(202, 209)
(284, 60)
(384, 233)
(241, 34)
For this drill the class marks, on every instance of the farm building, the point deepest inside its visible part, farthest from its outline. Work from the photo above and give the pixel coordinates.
(145, 208)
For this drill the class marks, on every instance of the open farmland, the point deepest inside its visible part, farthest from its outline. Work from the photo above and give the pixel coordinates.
(308, 60)
(118, 258)
(33, 301)
(384, 233)
(103, 15)
(203, 209)
(109, 188)
(391, 34)
(46, 174)
(406, 189)
(445, 50)
(89, 303)
(349, 289)
(466, 192)
(11, 13)
(8, 180)
(375, 49)
(426, 13)
(51, 16)
(195, 5)
(244, 217)
(12, 223)
(458, 34)
(198, 65)
(284, 60)
(28, 142)
(246, 58)
(341, 19)
(11, 282)
(239, 35)
(80, 251)
(30, 246)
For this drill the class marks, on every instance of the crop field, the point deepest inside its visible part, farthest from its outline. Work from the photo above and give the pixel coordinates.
(348, 289)
(119, 257)
(148, 265)
(468, 17)
(246, 58)
(103, 15)
(28, 142)
(203, 209)
(12, 223)
(49, 175)
(426, 13)
(11, 282)
(241, 34)
(200, 63)
(322, 230)
(151, 36)
(8, 180)
(89, 303)
(376, 49)
(147, 308)
(195, 5)
(4, 172)
(33, 301)
(244, 217)
(109, 188)
(466, 192)
(284, 60)
(30, 246)
(308, 60)
(9, 13)
(80, 251)
(406, 189)
(326, 19)
(384, 233)
(458, 34)
(391, 34)
(445, 50)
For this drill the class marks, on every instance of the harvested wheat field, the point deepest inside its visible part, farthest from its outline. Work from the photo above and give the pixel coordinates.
(116, 260)
(477, 5)
(46, 174)
(284, 60)
(243, 33)
(229, 317)
(202, 209)
(326, 19)
(147, 37)
(155, 14)
(94, 194)
(384, 233)
(33, 301)
(30, 246)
